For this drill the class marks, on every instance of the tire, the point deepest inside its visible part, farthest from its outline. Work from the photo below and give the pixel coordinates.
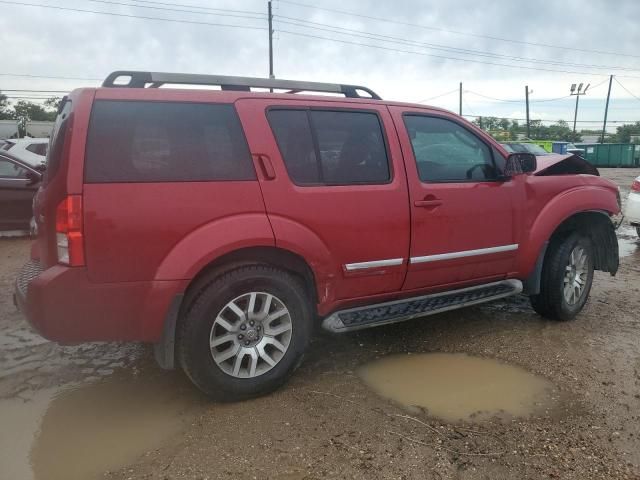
(214, 327)
(552, 301)
(638, 231)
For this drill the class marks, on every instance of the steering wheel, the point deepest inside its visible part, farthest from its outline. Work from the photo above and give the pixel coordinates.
(471, 170)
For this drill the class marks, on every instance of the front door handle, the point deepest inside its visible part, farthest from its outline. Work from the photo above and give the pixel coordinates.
(267, 167)
(428, 203)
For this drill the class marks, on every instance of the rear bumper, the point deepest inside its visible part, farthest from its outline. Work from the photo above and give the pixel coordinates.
(62, 305)
(632, 209)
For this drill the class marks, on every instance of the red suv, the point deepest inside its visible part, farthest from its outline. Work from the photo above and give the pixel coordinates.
(225, 225)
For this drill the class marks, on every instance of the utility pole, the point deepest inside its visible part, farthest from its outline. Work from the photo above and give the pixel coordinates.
(606, 110)
(270, 40)
(526, 96)
(577, 94)
(460, 108)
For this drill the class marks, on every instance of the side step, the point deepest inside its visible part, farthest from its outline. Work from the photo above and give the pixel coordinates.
(401, 310)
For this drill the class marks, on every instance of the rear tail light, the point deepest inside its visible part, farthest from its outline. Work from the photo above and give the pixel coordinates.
(69, 235)
(635, 186)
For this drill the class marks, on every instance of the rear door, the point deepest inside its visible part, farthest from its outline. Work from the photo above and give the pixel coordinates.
(16, 195)
(337, 178)
(462, 212)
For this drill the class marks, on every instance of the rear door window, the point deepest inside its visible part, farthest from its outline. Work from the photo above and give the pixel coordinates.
(11, 170)
(37, 148)
(133, 141)
(322, 147)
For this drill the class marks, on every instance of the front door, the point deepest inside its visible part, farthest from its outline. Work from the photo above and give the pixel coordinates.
(462, 225)
(335, 190)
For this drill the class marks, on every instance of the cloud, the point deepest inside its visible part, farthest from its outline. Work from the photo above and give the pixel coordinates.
(42, 41)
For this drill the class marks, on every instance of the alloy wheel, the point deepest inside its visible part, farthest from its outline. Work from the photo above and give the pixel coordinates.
(250, 335)
(576, 273)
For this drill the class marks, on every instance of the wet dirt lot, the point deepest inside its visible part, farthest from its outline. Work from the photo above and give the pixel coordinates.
(106, 411)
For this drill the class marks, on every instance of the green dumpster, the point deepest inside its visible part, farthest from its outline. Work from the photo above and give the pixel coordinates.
(609, 154)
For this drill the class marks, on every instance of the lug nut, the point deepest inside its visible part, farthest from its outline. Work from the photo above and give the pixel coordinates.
(247, 342)
(252, 323)
(243, 327)
(240, 337)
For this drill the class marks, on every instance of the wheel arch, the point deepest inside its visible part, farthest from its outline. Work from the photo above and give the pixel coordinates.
(165, 350)
(597, 226)
(273, 256)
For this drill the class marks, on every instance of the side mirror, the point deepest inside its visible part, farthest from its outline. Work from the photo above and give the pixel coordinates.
(520, 163)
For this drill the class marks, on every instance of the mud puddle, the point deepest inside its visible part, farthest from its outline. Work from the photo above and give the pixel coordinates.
(458, 387)
(80, 432)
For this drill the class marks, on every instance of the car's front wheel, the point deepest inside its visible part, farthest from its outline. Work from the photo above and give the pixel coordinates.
(567, 275)
(245, 332)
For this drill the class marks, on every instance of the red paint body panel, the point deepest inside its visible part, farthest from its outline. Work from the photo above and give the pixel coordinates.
(131, 229)
(460, 223)
(64, 306)
(332, 226)
(145, 242)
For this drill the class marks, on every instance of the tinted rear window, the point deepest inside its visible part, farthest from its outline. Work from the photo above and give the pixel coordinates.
(58, 135)
(322, 147)
(165, 142)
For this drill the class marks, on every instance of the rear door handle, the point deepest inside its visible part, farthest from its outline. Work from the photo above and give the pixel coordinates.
(427, 203)
(267, 167)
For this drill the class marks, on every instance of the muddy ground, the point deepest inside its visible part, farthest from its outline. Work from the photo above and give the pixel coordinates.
(106, 411)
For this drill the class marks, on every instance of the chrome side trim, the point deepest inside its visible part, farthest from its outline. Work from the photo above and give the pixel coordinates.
(391, 262)
(465, 253)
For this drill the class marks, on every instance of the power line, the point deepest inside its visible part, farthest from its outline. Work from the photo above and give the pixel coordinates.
(398, 40)
(502, 39)
(27, 97)
(594, 122)
(200, 7)
(252, 17)
(192, 22)
(380, 47)
(514, 101)
(437, 96)
(626, 89)
(48, 77)
(32, 91)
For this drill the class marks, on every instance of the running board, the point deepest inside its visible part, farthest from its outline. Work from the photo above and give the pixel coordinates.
(401, 310)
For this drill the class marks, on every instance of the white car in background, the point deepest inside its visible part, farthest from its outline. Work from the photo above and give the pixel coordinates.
(31, 151)
(632, 210)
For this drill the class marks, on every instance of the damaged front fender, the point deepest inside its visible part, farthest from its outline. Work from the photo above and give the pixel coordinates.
(564, 165)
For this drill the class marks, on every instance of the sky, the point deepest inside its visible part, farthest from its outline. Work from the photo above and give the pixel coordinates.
(407, 50)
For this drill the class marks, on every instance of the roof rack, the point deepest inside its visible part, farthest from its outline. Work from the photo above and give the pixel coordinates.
(133, 79)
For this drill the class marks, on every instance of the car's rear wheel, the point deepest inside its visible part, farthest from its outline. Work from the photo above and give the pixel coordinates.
(638, 231)
(567, 275)
(245, 332)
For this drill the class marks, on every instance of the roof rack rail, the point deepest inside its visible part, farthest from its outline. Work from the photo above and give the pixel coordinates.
(133, 79)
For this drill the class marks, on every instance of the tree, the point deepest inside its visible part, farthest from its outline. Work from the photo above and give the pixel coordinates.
(52, 103)
(624, 132)
(24, 112)
(5, 112)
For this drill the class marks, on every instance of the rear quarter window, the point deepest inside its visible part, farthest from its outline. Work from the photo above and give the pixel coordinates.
(133, 141)
(58, 135)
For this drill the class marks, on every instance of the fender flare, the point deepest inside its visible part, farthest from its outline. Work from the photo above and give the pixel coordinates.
(304, 242)
(212, 240)
(583, 199)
